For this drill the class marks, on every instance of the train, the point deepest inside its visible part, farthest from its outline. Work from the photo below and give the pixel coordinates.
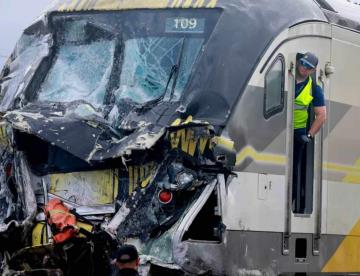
(168, 124)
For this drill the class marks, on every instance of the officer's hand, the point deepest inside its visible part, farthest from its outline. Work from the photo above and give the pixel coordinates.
(305, 139)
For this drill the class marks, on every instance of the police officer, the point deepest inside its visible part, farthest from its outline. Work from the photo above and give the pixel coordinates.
(306, 92)
(127, 260)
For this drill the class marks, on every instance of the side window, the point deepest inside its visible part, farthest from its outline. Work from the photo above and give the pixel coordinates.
(274, 88)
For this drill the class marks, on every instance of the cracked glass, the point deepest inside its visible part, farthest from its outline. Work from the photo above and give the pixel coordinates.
(85, 66)
(148, 62)
(82, 65)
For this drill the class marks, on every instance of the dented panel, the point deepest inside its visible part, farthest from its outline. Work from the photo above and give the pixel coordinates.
(86, 188)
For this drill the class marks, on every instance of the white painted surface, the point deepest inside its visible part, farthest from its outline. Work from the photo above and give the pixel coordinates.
(346, 60)
(343, 207)
(244, 210)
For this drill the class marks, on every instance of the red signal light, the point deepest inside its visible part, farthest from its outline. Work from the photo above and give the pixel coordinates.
(165, 196)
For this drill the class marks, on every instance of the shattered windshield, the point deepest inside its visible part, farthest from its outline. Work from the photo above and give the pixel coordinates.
(107, 60)
(148, 63)
(81, 69)
(79, 72)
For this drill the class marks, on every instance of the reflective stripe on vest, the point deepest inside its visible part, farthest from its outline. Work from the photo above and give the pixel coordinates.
(301, 105)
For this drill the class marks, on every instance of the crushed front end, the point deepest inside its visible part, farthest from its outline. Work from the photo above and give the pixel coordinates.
(97, 114)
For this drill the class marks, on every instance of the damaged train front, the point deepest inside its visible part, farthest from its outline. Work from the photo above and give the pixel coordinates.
(101, 143)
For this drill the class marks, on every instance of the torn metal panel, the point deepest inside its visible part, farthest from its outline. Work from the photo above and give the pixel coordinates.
(144, 216)
(17, 74)
(19, 223)
(99, 140)
(7, 201)
(25, 192)
(172, 251)
(86, 188)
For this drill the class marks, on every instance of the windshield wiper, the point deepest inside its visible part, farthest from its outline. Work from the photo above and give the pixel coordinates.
(177, 70)
(174, 73)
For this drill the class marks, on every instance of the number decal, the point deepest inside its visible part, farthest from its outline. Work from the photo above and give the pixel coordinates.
(185, 25)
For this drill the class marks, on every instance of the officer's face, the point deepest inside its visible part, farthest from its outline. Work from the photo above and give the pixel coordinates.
(304, 71)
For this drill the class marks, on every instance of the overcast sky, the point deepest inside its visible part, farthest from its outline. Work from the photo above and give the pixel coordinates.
(15, 16)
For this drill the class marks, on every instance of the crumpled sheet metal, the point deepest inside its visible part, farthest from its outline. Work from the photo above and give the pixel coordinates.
(99, 141)
(96, 142)
(26, 201)
(27, 56)
(6, 203)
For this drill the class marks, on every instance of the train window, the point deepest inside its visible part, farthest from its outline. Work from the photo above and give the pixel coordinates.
(274, 88)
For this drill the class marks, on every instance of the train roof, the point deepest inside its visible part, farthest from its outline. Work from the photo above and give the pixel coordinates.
(339, 12)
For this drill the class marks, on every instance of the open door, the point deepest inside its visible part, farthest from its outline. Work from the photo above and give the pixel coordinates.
(305, 192)
(303, 185)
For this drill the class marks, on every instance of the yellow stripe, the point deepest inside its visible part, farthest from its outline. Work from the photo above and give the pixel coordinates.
(341, 168)
(347, 256)
(115, 180)
(3, 134)
(353, 177)
(212, 4)
(176, 3)
(146, 181)
(72, 5)
(250, 152)
(188, 120)
(138, 4)
(352, 172)
(136, 177)
(123, 4)
(106, 5)
(81, 5)
(187, 4)
(37, 232)
(177, 122)
(62, 7)
(131, 180)
(224, 141)
(202, 144)
(199, 3)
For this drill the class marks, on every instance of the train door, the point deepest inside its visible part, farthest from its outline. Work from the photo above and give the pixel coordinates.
(305, 194)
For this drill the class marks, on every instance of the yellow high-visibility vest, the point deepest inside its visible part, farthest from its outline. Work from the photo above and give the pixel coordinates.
(301, 104)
